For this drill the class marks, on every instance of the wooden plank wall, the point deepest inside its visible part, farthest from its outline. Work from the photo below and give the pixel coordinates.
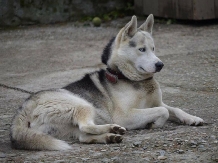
(178, 9)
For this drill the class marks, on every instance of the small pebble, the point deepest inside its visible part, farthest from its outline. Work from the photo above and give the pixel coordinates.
(84, 159)
(213, 137)
(116, 148)
(115, 158)
(193, 142)
(106, 160)
(162, 152)
(137, 144)
(145, 147)
(203, 141)
(202, 149)
(2, 155)
(12, 155)
(59, 161)
(161, 157)
(169, 139)
(181, 151)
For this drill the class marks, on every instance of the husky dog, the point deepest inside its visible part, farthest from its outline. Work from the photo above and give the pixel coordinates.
(101, 106)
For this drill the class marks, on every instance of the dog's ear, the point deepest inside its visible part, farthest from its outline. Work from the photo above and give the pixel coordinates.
(130, 28)
(148, 24)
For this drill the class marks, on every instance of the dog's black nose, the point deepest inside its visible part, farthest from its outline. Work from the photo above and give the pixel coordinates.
(159, 65)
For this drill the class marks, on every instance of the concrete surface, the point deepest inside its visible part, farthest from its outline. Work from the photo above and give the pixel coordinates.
(43, 57)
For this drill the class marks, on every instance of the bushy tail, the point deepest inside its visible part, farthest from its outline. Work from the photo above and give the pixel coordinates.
(23, 137)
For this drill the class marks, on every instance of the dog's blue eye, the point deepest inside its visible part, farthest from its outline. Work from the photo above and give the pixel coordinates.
(142, 49)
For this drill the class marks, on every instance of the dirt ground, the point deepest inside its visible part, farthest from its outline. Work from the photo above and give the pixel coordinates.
(43, 57)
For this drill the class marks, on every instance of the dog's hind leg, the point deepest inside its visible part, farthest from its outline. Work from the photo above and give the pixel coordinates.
(103, 138)
(85, 121)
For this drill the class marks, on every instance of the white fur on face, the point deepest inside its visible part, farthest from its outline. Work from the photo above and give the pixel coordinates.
(145, 62)
(142, 62)
(128, 58)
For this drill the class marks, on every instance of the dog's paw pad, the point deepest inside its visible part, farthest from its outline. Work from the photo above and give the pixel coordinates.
(118, 130)
(113, 138)
(118, 138)
(193, 124)
(200, 124)
(197, 124)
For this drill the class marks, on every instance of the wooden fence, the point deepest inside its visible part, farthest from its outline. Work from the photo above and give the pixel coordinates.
(178, 9)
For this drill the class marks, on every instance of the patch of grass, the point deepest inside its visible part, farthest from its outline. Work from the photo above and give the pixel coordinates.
(127, 10)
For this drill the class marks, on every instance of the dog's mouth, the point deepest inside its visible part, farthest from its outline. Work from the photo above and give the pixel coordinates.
(142, 70)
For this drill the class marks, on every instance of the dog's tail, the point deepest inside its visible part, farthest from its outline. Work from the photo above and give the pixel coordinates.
(24, 137)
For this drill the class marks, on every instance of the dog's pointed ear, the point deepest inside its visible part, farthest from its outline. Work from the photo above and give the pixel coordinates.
(131, 28)
(148, 24)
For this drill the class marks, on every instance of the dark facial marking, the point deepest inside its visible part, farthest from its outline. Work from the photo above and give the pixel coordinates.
(107, 51)
(132, 44)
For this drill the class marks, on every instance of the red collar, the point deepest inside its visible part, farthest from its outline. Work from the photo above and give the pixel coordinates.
(113, 76)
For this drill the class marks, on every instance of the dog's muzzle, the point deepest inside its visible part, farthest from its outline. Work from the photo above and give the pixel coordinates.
(159, 65)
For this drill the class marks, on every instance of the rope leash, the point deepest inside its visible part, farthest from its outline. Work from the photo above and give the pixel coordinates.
(17, 89)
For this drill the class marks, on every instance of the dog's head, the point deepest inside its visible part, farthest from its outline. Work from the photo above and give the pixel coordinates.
(133, 51)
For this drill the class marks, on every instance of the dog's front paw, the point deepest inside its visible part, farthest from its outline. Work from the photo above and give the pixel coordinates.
(117, 129)
(192, 120)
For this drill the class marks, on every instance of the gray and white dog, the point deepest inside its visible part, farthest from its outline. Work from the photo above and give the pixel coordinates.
(102, 105)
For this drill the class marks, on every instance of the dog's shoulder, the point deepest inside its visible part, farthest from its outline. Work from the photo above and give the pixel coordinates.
(89, 87)
(87, 82)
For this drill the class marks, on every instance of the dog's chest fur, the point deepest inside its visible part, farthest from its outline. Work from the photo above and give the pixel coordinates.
(127, 94)
(111, 99)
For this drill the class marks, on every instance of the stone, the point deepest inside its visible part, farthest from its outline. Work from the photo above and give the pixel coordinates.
(2, 155)
(145, 147)
(12, 155)
(105, 160)
(137, 144)
(162, 152)
(161, 157)
(59, 161)
(180, 151)
(193, 142)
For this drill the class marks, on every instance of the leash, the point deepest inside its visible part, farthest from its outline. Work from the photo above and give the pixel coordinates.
(17, 89)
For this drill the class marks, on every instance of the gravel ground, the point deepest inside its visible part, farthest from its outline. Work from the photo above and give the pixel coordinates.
(42, 57)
